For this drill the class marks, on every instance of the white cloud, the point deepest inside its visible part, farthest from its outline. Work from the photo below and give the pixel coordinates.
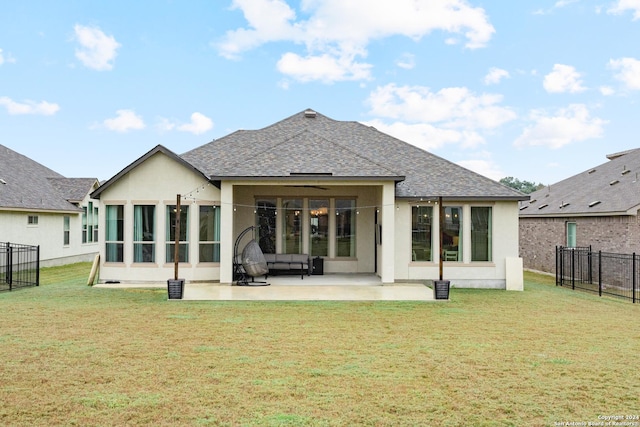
(454, 107)
(606, 90)
(97, 50)
(199, 124)
(495, 75)
(325, 68)
(332, 36)
(629, 71)
(6, 58)
(563, 78)
(124, 121)
(484, 167)
(621, 6)
(426, 136)
(430, 120)
(43, 108)
(567, 125)
(407, 61)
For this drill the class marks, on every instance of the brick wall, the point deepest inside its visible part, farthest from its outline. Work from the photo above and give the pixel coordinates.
(540, 236)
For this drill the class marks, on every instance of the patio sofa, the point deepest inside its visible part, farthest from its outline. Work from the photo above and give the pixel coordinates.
(289, 262)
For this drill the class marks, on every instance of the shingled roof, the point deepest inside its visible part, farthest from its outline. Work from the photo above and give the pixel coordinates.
(612, 188)
(28, 185)
(309, 143)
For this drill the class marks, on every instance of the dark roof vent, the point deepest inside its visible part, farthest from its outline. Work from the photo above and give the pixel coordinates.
(523, 207)
(310, 114)
(564, 205)
(543, 206)
(592, 171)
(625, 171)
(614, 182)
(592, 204)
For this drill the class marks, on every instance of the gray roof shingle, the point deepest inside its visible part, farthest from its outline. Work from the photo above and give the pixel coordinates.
(344, 149)
(32, 186)
(610, 188)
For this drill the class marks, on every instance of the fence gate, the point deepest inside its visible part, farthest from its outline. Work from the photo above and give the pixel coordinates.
(19, 266)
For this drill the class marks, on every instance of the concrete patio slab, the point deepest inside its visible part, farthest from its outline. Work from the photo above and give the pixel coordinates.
(331, 287)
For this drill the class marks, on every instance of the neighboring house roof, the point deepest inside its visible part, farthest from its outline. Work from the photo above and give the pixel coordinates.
(612, 188)
(28, 185)
(312, 145)
(74, 190)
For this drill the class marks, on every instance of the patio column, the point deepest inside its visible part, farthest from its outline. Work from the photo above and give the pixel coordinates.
(387, 260)
(226, 233)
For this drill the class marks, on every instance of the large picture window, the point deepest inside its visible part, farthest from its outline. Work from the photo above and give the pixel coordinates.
(319, 227)
(481, 234)
(345, 228)
(114, 244)
(451, 242)
(291, 226)
(144, 246)
(421, 233)
(209, 245)
(183, 246)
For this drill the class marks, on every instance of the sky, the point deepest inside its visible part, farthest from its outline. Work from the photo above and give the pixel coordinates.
(539, 91)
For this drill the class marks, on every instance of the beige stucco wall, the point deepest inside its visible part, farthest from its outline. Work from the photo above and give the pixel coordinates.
(465, 273)
(157, 182)
(49, 234)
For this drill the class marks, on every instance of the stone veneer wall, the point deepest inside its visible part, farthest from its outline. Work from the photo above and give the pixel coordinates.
(540, 236)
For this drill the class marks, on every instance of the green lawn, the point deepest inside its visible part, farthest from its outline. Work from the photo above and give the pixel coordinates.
(75, 355)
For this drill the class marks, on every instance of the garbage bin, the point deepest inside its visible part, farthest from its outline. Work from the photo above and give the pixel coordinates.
(441, 289)
(175, 288)
(318, 266)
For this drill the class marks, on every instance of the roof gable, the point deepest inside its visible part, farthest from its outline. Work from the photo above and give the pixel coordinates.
(157, 149)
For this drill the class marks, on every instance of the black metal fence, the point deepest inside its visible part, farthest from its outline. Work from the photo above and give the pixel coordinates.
(600, 272)
(19, 266)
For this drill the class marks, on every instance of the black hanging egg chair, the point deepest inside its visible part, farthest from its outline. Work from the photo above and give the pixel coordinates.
(250, 263)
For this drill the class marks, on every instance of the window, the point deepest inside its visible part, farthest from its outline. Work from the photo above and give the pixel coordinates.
(32, 220)
(480, 233)
(114, 242)
(451, 243)
(571, 234)
(66, 227)
(209, 246)
(345, 228)
(89, 223)
(84, 224)
(183, 247)
(95, 224)
(319, 227)
(292, 226)
(266, 215)
(421, 233)
(144, 247)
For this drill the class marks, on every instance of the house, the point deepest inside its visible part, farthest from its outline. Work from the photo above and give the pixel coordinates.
(363, 201)
(41, 207)
(597, 208)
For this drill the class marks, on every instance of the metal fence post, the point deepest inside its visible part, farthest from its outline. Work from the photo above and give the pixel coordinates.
(633, 280)
(10, 266)
(38, 266)
(600, 273)
(573, 269)
(557, 263)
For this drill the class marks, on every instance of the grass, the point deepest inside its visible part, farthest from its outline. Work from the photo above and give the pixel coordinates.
(75, 355)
